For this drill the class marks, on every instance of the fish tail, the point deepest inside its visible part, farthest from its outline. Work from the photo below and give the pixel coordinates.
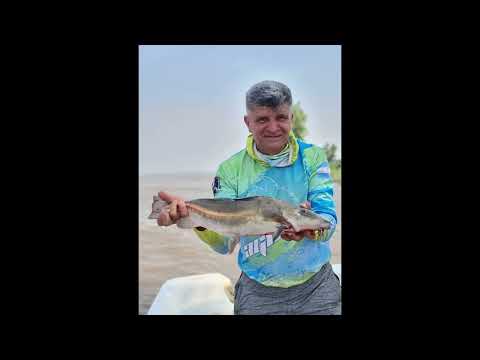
(162, 203)
(157, 206)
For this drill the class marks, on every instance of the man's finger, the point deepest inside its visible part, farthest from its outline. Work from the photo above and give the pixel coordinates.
(164, 219)
(310, 234)
(297, 237)
(173, 210)
(165, 197)
(306, 205)
(286, 235)
(182, 207)
(290, 235)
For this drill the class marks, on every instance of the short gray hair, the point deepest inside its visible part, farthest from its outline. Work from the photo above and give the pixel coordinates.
(268, 93)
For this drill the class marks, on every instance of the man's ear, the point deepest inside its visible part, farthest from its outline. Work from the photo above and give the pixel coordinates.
(247, 122)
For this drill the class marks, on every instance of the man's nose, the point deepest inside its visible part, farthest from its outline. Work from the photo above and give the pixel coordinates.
(273, 126)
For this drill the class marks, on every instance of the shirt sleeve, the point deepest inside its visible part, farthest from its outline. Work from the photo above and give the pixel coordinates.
(223, 188)
(320, 192)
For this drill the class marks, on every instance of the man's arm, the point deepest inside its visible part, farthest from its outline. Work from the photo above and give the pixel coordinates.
(320, 191)
(222, 187)
(320, 196)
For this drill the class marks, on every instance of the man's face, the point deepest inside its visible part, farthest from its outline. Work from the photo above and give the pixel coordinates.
(270, 127)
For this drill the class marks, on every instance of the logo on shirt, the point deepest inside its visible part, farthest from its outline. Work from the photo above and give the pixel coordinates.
(216, 185)
(259, 245)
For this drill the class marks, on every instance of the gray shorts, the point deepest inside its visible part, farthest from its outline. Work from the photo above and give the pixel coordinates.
(320, 295)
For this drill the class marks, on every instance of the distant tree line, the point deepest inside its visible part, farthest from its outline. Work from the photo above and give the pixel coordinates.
(300, 130)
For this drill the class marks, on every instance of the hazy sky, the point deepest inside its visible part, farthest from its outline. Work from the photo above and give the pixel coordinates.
(192, 99)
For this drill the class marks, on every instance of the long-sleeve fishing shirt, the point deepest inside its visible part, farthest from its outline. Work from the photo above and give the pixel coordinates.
(278, 263)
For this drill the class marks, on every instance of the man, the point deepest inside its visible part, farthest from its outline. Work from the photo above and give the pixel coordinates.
(291, 275)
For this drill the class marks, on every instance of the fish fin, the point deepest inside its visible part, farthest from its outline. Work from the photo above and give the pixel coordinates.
(157, 206)
(186, 223)
(232, 242)
(277, 233)
(248, 198)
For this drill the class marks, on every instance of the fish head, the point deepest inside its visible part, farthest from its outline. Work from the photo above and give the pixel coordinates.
(304, 219)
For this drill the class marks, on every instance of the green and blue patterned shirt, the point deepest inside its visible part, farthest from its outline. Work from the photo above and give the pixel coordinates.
(280, 263)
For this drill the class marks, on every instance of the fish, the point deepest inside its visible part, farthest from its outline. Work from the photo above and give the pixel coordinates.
(250, 216)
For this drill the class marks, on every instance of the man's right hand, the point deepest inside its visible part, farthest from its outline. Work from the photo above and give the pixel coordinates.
(178, 209)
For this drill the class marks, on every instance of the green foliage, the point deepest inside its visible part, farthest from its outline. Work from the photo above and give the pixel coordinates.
(299, 119)
(336, 170)
(330, 150)
(300, 130)
(335, 165)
